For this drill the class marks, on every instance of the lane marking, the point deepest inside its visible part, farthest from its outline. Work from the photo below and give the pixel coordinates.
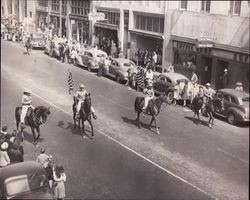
(233, 156)
(127, 108)
(133, 151)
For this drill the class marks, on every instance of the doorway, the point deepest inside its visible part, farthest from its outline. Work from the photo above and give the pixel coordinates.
(221, 65)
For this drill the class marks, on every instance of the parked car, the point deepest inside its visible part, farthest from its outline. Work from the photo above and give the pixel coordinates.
(236, 104)
(165, 83)
(38, 41)
(118, 69)
(26, 180)
(91, 58)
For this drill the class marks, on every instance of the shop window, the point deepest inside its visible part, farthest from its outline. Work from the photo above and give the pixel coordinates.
(161, 25)
(183, 5)
(205, 5)
(235, 7)
(149, 23)
(156, 24)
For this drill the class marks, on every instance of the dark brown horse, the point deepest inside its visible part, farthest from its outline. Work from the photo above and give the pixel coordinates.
(33, 120)
(85, 114)
(211, 106)
(153, 109)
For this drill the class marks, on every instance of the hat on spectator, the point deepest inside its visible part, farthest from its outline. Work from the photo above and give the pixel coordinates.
(238, 84)
(225, 70)
(4, 145)
(208, 84)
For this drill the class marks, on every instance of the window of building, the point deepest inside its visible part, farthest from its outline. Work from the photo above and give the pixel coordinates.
(183, 5)
(30, 14)
(149, 23)
(205, 5)
(25, 8)
(235, 7)
(111, 17)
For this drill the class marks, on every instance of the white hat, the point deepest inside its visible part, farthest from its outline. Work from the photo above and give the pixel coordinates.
(238, 84)
(82, 86)
(4, 145)
(12, 139)
(27, 91)
(225, 70)
(208, 84)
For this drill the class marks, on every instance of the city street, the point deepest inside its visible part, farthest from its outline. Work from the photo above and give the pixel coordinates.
(186, 161)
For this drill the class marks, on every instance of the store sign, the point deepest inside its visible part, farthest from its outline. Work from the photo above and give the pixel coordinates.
(204, 43)
(96, 16)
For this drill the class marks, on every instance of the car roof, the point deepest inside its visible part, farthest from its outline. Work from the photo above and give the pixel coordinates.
(96, 51)
(174, 76)
(19, 169)
(234, 92)
(122, 60)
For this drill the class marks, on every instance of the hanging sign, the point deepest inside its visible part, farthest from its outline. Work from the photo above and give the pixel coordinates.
(96, 16)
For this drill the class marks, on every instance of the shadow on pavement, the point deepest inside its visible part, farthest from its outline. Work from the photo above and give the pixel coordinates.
(29, 137)
(133, 122)
(75, 131)
(197, 122)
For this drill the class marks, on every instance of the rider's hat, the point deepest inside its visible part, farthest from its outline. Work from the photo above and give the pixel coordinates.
(225, 70)
(4, 145)
(238, 84)
(28, 91)
(208, 84)
(81, 86)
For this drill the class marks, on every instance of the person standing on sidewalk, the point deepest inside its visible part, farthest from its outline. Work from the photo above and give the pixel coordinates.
(59, 180)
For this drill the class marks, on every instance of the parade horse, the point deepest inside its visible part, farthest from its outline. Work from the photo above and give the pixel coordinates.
(33, 120)
(153, 109)
(210, 107)
(85, 113)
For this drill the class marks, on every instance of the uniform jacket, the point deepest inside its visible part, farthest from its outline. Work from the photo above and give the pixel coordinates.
(26, 100)
(80, 95)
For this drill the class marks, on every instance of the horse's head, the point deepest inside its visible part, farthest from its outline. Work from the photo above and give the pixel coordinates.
(87, 101)
(44, 113)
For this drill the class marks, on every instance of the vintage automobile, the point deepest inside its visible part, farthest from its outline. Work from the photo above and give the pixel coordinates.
(38, 41)
(118, 69)
(165, 83)
(25, 180)
(91, 58)
(236, 104)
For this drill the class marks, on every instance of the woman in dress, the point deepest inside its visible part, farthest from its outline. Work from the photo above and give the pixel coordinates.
(59, 179)
(185, 95)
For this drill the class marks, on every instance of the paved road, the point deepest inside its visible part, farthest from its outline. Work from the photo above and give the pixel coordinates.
(214, 160)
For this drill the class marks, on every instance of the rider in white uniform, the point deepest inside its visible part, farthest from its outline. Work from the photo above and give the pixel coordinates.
(26, 103)
(80, 97)
(149, 94)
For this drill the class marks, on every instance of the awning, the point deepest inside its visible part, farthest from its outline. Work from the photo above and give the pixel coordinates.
(107, 26)
(148, 34)
(223, 30)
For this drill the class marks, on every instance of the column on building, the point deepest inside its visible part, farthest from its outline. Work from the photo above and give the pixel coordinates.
(167, 42)
(121, 29)
(68, 22)
(130, 27)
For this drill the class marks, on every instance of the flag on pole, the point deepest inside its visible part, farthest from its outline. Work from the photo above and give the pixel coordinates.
(70, 82)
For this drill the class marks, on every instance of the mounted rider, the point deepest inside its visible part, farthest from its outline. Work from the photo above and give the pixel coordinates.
(149, 75)
(208, 94)
(149, 94)
(26, 103)
(79, 98)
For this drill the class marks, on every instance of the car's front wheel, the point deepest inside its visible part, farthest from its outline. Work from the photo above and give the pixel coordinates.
(170, 96)
(118, 78)
(231, 118)
(89, 67)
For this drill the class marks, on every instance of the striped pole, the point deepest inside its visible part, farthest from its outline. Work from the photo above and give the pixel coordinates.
(70, 82)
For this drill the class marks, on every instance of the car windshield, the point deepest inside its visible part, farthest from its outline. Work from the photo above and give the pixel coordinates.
(128, 64)
(25, 183)
(100, 55)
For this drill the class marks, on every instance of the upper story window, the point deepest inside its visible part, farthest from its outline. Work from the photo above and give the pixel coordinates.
(205, 5)
(149, 23)
(80, 7)
(183, 5)
(235, 7)
(43, 3)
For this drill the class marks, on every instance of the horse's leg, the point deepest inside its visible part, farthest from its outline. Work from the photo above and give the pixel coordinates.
(92, 128)
(157, 129)
(74, 119)
(34, 136)
(138, 119)
(212, 120)
(83, 128)
(150, 125)
(209, 121)
(38, 131)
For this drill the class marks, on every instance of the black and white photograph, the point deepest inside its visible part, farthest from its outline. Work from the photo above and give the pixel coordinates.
(124, 100)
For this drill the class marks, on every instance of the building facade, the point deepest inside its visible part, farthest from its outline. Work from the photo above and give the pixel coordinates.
(208, 37)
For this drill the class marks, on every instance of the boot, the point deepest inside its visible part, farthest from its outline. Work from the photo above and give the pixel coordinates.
(94, 115)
